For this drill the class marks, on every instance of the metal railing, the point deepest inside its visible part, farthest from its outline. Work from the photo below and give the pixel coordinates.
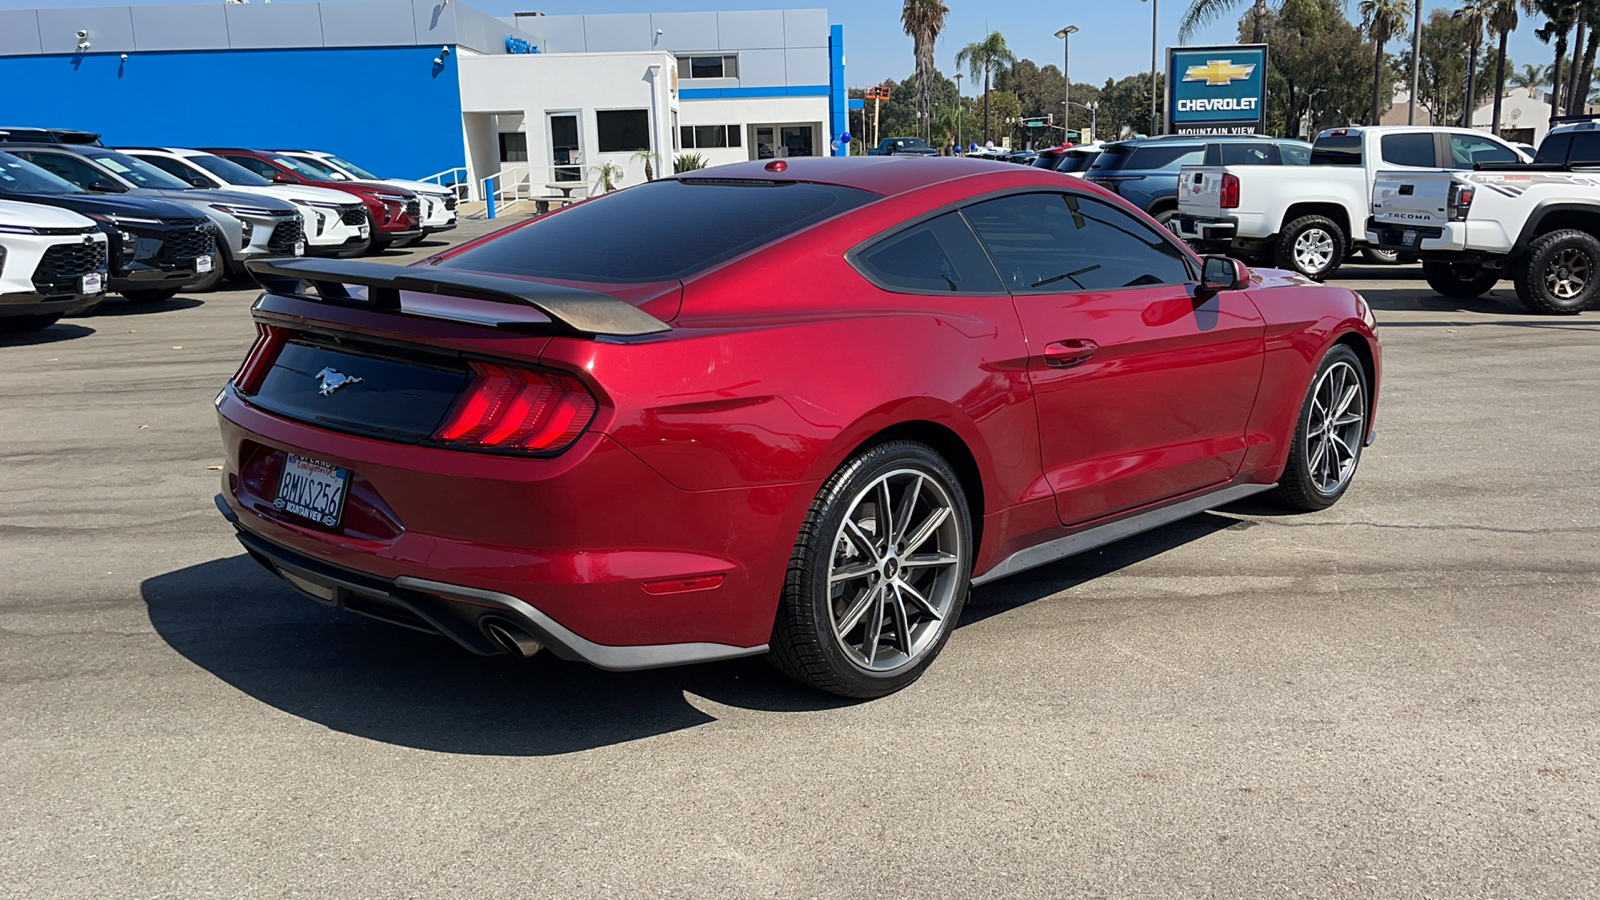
(457, 179)
(512, 183)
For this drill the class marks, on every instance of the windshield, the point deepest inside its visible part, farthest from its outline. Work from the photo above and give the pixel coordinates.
(354, 169)
(138, 172)
(299, 167)
(712, 221)
(229, 172)
(20, 177)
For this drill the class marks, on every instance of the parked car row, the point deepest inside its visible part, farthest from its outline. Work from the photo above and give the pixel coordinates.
(79, 219)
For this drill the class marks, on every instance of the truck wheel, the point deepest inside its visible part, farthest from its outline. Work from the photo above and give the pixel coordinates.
(1381, 257)
(1311, 245)
(1560, 273)
(1164, 216)
(1462, 281)
(27, 323)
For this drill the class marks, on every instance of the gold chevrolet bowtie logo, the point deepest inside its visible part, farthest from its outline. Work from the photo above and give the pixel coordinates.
(1218, 72)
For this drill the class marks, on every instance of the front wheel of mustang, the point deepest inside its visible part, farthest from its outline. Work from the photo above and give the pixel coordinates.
(1328, 437)
(879, 574)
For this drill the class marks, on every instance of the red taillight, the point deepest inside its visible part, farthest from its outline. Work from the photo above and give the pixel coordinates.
(269, 340)
(507, 408)
(1230, 191)
(1460, 202)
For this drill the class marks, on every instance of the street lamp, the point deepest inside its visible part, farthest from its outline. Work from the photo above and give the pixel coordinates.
(1066, 75)
(959, 104)
(1094, 116)
(1155, 127)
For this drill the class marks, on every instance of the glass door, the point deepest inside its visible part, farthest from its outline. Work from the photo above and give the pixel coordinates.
(797, 140)
(765, 146)
(566, 151)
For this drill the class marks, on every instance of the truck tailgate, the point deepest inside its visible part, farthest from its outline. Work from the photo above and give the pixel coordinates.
(1200, 191)
(1411, 198)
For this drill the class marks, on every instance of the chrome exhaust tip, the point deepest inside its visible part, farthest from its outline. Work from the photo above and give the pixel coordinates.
(511, 638)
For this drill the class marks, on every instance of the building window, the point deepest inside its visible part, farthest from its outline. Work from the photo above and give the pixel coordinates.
(702, 137)
(622, 130)
(692, 67)
(513, 146)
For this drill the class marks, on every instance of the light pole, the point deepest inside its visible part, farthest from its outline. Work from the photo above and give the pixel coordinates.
(1155, 109)
(1094, 116)
(960, 102)
(1066, 75)
(1416, 53)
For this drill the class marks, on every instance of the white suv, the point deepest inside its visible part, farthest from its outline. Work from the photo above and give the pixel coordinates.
(52, 263)
(335, 222)
(438, 202)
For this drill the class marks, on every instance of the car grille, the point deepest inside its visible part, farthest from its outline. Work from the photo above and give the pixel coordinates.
(353, 215)
(181, 246)
(450, 201)
(63, 264)
(285, 236)
(413, 207)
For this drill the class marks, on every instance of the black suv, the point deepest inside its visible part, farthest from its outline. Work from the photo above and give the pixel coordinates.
(1144, 171)
(153, 244)
(14, 135)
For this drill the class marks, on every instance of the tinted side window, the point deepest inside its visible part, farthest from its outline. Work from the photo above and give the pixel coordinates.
(1585, 148)
(1554, 148)
(76, 171)
(265, 170)
(1415, 149)
(936, 256)
(1164, 156)
(1467, 151)
(1337, 150)
(1059, 243)
(1243, 154)
(1295, 154)
(172, 167)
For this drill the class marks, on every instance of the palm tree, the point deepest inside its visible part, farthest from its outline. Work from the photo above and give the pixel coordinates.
(1559, 18)
(923, 20)
(1382, 20)
(1473, 16)
(1527, 78)
(984, 58)
(1502, 21)
(1202, 12)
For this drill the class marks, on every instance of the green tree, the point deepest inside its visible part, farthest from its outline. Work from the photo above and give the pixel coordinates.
(1559, 17)
(923, 20)
(983, 59)
(1444, 69)
(1474, 17)
(1382, 20)
(1527, 77)
(1503, 17)
(1317, 72)
(1203, 12)
(1125, 105)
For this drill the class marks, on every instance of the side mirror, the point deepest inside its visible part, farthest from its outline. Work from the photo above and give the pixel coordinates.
(281, 178)
(102, 186)
(1223, 273)
(199, 181)
(338, 176)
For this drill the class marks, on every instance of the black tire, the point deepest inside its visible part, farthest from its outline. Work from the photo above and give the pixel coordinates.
(1380, 257)
(805, 645)
(1562, 257)
(406, 242)
(1305, 483)
(1332, 240)
(18, 324)
(150, 295)
(1462, 281)
(1163, 216)
(379, 244)
(218, 273)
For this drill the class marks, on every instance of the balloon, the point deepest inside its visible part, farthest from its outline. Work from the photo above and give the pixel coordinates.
(844, 138)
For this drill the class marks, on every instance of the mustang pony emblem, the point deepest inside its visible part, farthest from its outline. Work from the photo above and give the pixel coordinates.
(333, 379)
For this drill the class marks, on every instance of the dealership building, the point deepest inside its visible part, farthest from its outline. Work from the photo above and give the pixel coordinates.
(415, 88)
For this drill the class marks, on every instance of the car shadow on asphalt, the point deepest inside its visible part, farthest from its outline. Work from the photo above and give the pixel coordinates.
(118, 307)
(390, 684)
(61, 331)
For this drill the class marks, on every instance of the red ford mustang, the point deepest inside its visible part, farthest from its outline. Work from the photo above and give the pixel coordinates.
(794, 408)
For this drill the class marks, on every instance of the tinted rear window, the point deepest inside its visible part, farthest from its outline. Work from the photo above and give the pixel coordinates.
(1585, 149)
(1076, 162)
(660, 231)
(1408, 149)
(1337, 150)
(1241, 153)
(1554, 148)
(1163, 156)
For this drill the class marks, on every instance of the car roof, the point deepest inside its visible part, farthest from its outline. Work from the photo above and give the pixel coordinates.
(884, 175)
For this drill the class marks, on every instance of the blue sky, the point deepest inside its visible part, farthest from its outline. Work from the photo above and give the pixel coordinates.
(1114, 40)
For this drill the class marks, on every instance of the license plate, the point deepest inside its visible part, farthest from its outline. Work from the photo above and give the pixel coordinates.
(312, 489)
(1408, 238)
(365, 231)
(299, 248)
(93, 283)
(202, 264)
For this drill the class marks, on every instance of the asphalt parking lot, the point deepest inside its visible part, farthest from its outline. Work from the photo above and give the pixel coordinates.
(1397, 697)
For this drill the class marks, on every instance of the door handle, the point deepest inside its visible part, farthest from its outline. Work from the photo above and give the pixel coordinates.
(1066, 354)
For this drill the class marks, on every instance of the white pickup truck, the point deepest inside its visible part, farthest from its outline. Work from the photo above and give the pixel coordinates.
(1536, 224)
(1309, 218)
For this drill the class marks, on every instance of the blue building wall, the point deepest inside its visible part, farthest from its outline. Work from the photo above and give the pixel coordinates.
(838, 118)
(389, 109)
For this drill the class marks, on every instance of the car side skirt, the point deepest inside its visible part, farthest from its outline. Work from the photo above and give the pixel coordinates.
(1110, 532)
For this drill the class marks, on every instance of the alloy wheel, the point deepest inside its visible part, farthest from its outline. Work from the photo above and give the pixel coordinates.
(893, 576)
(1313, 250)
(1335, 426)
(1568, 273)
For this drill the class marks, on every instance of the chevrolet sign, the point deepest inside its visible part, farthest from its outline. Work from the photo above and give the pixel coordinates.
(1217, 90)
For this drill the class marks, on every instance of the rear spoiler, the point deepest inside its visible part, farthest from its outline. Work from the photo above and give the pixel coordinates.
(584, 312)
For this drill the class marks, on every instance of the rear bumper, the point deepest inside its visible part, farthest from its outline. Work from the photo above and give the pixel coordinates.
(1196, 228)
(459, 612)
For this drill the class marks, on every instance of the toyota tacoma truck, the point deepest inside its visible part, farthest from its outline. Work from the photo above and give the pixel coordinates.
(1537, 224)
(52, 264)
(1308, 218)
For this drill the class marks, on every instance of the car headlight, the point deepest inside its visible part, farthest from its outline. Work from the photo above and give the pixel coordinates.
(243, 210)
(391, 198)
(17, 229)
(122, 220)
